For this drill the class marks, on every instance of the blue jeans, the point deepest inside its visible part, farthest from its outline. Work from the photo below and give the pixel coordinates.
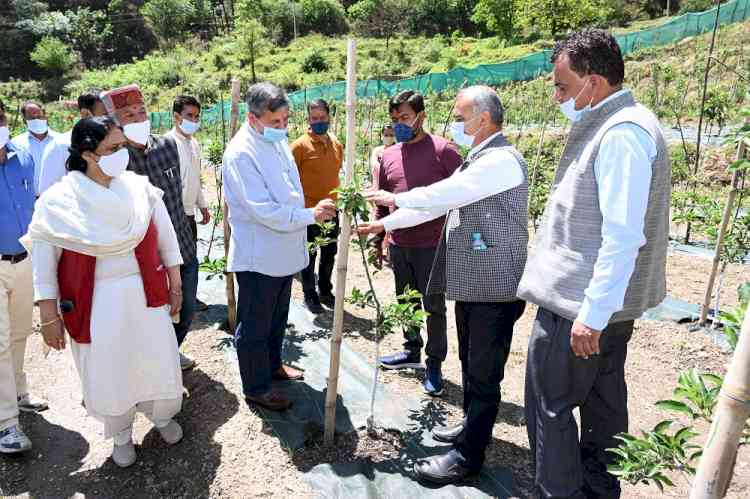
(189, 274)
(262, 313)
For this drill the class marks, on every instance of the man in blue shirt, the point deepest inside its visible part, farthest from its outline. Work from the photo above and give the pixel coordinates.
(16, 296)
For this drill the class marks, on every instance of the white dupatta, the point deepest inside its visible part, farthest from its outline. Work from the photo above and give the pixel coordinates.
(77, 214)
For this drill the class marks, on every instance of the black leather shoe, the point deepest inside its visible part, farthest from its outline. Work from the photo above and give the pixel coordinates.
(312, 302)
(449, 434)
(327, 299)
(443, 469)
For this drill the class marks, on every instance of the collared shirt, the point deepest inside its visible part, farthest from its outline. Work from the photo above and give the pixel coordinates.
(35, 148)
(54, 158)
(190, 171)
(267, 211)
(160, 162)
(319, 162)
(16, 198)
(623, 177)
(493, 173)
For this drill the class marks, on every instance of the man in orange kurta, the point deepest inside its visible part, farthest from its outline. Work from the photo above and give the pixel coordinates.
(319, 157)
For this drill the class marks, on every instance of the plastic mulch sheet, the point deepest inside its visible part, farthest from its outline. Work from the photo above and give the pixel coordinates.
(307, 346)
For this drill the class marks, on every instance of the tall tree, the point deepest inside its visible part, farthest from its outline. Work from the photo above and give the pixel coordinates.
(497, 16)
(252, 36)
(379, 18)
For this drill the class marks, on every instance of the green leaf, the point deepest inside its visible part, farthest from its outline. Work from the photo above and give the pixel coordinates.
(675, 406)
(663, 425)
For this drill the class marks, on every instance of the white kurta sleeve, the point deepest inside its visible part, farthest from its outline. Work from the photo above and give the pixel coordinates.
(44, 266)
(169, 247)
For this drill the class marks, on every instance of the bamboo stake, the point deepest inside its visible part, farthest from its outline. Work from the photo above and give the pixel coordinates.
(233, 122)
(703, 105)
(741, 149)
(732, 411)
(343, 248)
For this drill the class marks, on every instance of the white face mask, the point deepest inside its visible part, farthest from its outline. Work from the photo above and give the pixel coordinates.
(4, 136)
(568, 107)
(189, 127)
(389, 140)
(114, 164)
(38, 127)
(460, 137)
(138, 132)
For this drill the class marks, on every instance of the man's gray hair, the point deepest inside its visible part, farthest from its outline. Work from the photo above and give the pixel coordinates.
(263, 97)
(485, 99)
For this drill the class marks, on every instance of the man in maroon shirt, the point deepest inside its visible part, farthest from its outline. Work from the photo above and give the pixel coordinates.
(418, 160)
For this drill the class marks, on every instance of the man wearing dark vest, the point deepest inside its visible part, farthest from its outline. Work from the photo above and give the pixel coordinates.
(479, 261)
(598, 263)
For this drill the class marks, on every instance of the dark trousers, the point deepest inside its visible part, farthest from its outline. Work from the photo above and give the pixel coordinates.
(189, 275)
(556, 382)
(262, 313)
(327, 257)
(411, 267)
(485, 332)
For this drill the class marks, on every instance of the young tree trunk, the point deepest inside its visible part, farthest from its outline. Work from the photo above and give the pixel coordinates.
(343, 249)
(732, 411)
(727, 215)
(233, 123)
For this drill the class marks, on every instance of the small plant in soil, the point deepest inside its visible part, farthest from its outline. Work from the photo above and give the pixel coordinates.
(404, 313)
(648, 459)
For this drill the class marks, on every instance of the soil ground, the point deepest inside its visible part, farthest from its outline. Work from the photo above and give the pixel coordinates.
(229, 452)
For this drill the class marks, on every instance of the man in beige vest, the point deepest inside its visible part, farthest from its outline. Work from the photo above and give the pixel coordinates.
(598, 263)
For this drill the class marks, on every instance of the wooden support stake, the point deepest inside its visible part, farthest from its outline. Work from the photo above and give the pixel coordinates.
(732, 411)
(343, 248)
(728, 209)
(233, 125)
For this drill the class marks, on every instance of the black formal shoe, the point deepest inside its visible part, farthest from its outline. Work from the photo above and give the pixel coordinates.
(449, 434)
(312, 302)
(444, 469)
(328, 299)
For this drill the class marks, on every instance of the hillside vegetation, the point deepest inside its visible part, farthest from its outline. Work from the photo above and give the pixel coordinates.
(61, 42)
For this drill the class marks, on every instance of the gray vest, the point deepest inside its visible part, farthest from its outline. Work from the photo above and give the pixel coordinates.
(569, 237)
(492, 274)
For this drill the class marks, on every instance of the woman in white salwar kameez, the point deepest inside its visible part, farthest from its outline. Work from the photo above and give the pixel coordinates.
(127, 357)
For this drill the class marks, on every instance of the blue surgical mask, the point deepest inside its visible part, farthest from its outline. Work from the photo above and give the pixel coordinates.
(404, 132)
(189, 127)
(319, 128)
(274, 134)
(38, 127)
(568, 107)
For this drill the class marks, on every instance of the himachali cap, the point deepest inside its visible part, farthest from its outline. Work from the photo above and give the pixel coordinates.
(122, 97)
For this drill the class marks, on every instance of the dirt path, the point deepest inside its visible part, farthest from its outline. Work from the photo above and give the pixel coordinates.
(229, 453)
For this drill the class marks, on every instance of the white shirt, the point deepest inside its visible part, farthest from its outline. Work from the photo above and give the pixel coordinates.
(623, 177)
(267, 211)
(54, 158)
(36, 148)
(494, 172)
(190, 172)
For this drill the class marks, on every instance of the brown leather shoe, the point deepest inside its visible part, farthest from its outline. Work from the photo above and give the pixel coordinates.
(288, 373)
(271, 400)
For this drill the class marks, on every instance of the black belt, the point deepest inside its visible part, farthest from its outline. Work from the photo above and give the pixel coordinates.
(14, 258)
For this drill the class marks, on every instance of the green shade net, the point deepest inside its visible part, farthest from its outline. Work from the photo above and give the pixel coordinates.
(525, 68)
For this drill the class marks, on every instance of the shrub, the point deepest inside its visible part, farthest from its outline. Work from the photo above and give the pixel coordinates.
(169, 18)
(53, 55)
(695, 5)
(314, 62)
(326, 17)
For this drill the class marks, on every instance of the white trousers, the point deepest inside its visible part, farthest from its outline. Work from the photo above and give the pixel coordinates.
(159, 412)
(16, 306)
